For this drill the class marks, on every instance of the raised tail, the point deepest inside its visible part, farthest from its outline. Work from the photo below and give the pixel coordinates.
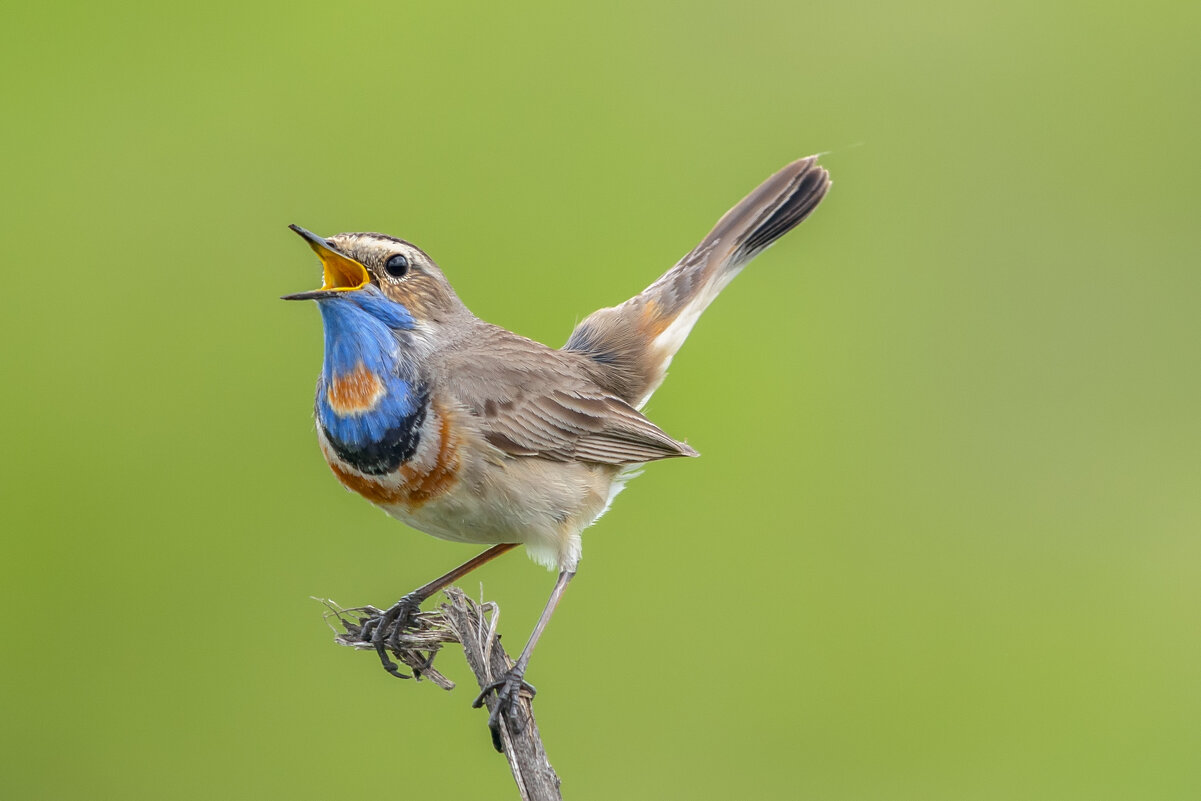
(631, 345)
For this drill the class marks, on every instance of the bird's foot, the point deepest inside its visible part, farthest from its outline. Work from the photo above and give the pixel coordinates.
(384, 631)
(508, 689)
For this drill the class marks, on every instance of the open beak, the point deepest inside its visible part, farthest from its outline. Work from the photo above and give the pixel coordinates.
(339, 273)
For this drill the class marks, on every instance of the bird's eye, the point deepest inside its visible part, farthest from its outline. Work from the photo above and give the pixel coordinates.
(397, 266)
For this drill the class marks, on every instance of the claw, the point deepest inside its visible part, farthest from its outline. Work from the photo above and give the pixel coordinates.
(385, 631)
(508, 689)
(366, 627)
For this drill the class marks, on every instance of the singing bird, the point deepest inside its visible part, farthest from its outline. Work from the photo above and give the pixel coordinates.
(471, 433)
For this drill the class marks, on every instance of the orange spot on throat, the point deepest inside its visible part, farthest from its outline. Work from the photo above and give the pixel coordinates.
(355, 392)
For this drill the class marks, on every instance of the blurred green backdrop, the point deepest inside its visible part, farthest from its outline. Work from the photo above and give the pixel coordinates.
(943, 542)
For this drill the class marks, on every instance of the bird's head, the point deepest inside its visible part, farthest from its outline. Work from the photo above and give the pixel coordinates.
(387, 278)
(385, 307)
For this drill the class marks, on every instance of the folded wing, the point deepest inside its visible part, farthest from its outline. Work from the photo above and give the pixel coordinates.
(530, 400)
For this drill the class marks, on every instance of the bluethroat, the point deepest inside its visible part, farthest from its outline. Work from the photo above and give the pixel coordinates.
(471, 433)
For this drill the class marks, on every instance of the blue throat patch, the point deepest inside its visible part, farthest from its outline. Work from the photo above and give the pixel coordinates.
(361, 334)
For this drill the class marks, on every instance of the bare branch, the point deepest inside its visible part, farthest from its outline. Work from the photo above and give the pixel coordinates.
(474, 626)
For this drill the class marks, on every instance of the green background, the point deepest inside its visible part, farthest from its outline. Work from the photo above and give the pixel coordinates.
(943, 542)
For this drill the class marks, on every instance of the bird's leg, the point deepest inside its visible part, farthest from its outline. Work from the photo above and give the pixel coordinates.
(510, 685)
(385, 630)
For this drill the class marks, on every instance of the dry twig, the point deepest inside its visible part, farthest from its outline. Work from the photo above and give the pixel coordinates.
(473, 625)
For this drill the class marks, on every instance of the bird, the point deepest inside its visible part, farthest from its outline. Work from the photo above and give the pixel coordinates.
(471, 433)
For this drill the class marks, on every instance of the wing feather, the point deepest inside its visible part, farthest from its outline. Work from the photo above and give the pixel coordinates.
(530, 400)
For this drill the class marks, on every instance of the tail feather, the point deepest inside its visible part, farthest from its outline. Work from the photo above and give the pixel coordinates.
(630, 346)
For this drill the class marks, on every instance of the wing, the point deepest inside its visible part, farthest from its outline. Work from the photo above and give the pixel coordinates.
(531, 400)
